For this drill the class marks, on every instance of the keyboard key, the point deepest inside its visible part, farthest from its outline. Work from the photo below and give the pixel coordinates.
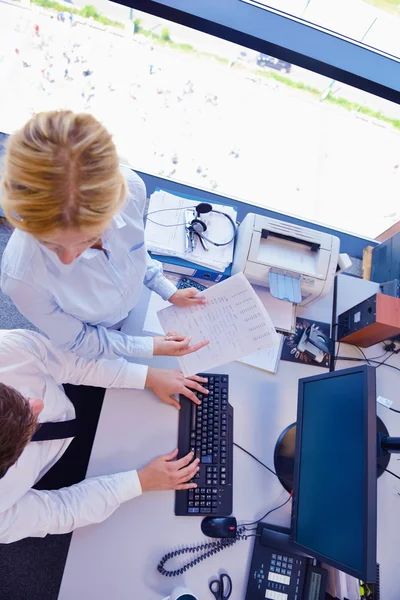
(206, 459)
(204, 511)
(193, 510)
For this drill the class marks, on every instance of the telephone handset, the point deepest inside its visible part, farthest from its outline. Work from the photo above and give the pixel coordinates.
(277, 572)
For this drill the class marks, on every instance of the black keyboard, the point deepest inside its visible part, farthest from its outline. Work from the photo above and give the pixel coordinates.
(207, 430)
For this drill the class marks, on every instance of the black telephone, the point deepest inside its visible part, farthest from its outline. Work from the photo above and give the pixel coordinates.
(279, 573)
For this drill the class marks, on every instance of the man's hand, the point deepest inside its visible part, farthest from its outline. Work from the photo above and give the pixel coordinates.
(165, 473)
(175, 344)
(187, 297)
(166, 382)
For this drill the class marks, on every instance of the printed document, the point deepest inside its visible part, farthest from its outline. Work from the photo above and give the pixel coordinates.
(266, 359)
(234, 320)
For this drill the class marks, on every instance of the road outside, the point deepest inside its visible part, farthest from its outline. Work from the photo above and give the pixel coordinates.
(194, 119)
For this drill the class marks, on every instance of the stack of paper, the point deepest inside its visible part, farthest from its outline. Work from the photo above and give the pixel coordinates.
(233, 319)
(266, 359)
(166, 234)
(283, 314)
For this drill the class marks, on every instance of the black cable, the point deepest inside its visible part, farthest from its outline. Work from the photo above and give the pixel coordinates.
(261, 463)
(267, 513)
(384, 361)
(153, 212)
(375, 357)
(370, 360)
(334, 324)
(394, 474)
(205, 550)
(337, 355)
(365, 358)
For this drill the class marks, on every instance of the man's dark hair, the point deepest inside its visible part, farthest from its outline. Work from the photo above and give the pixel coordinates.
(17, 426)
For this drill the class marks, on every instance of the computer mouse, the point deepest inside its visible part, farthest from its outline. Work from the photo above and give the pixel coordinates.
(219, 527)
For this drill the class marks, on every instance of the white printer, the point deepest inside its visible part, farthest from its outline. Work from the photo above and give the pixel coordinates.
(296, 263)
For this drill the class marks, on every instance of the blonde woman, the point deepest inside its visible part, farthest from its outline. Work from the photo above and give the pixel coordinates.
(76, 262)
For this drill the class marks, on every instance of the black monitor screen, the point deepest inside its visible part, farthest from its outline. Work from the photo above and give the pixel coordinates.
(333, 475)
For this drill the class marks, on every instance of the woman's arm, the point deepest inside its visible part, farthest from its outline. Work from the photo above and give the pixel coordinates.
(68, 333)
(156, 281)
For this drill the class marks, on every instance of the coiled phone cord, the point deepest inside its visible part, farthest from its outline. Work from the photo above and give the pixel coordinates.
(206, 550)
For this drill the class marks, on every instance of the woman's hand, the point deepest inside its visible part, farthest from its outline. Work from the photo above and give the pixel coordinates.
(187, 297)
(165, 473)
(175, 344)
(166, 382)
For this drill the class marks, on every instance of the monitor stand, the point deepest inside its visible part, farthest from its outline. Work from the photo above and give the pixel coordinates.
(286, 446)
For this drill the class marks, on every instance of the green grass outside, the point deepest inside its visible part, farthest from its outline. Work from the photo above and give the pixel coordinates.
(391, 6)
(87, 11)
(164, 40)
(343, 102)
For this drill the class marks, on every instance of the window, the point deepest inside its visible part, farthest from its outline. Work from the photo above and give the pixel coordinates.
(197, 109)
(375, 23)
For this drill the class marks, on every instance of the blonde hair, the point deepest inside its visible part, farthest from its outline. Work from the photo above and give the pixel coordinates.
(61, 172)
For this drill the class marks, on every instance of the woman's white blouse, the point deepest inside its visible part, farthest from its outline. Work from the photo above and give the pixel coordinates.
(75, 305)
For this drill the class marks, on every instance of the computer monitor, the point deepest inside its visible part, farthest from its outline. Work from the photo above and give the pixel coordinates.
(334, 516)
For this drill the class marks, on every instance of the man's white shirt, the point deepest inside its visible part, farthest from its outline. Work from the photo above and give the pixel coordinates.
(30, 364)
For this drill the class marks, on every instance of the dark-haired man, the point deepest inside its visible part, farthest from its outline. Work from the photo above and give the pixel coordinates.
(31, 374)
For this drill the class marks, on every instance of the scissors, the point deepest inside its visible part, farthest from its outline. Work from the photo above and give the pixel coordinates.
(221, 588)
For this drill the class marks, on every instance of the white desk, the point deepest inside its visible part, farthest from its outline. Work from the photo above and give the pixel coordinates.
(118, 558)
(351, 291)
